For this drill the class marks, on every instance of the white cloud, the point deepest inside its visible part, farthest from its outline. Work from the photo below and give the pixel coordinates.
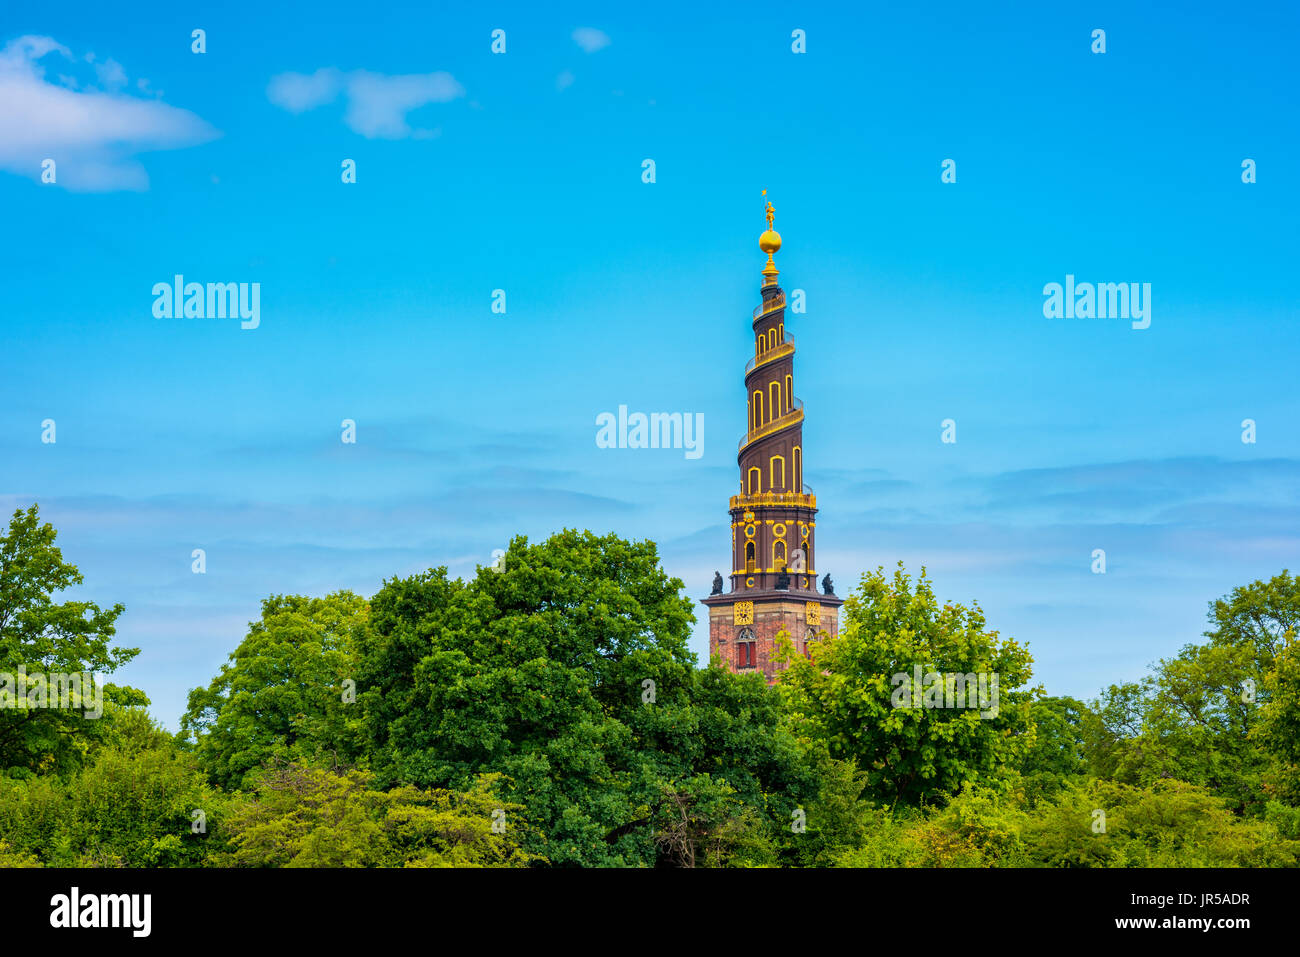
(377, 104)
(111, 75)
(297, 92)
(591, 39)
(92, 134)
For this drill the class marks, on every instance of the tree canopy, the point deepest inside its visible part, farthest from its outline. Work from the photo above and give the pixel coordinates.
(284, 694)
(917, 746)
(548, 712)
(41, 635)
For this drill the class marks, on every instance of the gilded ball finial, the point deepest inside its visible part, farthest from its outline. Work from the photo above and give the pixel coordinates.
(770, 241)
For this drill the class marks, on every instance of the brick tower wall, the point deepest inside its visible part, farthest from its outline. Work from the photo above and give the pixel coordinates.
(770, 616)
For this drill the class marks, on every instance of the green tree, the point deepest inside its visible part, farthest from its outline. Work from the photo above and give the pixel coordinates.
(1111, 725)
(846, 694)
(527, 672)
(12, 858)
(1198, 721)
(1168, 824)
(1195, 718)
(1057, 755)
(282, 696)
(45, 636)
(567, 672)
(1257, 617)
(1278, 731)
(701, 823)
(300, 816)
(1085, 823)
(978, 827)
(140, 803)
(836, 817)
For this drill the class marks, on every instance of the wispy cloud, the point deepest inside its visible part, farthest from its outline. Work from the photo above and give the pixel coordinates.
(377, 104)
(110, 73)
(91, 130)
(297, 92)
(591, 39)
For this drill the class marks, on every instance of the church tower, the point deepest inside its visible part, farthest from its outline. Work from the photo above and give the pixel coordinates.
(774, 518)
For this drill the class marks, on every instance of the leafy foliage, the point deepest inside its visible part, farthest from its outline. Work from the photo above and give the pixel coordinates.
(843, 695)
(1171, 824)
(1278, 731)
(535, 672)
(568, 673)
(282, 696)
(550, 713)
(1197, 717)
(1058, 752)
(299, 816)
(132, 806)
(44, 636)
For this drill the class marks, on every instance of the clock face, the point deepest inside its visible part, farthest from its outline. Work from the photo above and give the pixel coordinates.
(779, 530)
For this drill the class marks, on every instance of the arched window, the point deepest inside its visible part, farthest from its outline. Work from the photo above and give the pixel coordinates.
(796, 483)
(773, 399)
(778, 556)
(757, 409)
(755, 480)
(789, 392)
(771, 338)
(749, 558)
(745, 657)
(808, 639)
(782, 335)
(776, 473)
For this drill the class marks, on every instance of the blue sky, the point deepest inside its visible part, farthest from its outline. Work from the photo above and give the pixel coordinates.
(523, 172)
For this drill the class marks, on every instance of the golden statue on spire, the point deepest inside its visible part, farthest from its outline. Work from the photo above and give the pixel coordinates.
(769, 242)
